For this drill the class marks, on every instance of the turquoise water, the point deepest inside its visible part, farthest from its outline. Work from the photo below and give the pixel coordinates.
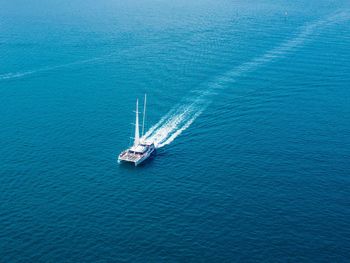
(250, 108)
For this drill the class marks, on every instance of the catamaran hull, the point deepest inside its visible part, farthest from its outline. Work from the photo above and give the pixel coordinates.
(139, 161)
(144, 158)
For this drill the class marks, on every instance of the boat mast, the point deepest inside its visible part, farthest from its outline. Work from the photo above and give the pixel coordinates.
(137, 131)
(144, 115)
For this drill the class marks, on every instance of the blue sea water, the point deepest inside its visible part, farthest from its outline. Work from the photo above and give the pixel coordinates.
(250, 107)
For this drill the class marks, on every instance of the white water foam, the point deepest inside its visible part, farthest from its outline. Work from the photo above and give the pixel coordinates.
(15, 75)
(170, 125)
(173, 136)
(150, 132)
(179, 119)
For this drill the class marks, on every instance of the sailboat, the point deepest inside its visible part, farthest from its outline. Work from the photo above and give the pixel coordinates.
(141, 149)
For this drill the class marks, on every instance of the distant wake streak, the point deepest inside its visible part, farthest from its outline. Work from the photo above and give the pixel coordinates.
(181, 117)
(20, 74)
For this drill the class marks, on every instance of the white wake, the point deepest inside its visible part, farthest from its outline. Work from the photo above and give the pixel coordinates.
(179, 118)
(21, 74)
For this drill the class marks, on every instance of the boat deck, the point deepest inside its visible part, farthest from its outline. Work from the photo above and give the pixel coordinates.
(130, 157)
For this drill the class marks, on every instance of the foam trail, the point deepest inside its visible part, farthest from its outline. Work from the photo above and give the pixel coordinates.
(159, 123)
(21, 74)
(165, 132)
(179, 122)
(162, 133)
(14, 75)
(175, 115)
(179, 131)
(280, 51)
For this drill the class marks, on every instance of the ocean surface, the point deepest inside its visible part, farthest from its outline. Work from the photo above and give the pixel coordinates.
(248, 103)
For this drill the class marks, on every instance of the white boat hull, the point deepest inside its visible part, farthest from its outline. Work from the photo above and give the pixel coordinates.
(128, 157)
(148, 155)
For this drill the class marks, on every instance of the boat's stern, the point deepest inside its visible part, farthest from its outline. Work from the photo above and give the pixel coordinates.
(137, 154)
